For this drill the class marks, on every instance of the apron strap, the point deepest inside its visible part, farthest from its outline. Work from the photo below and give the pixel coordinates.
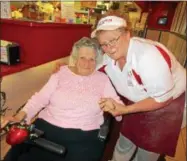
(166, 58)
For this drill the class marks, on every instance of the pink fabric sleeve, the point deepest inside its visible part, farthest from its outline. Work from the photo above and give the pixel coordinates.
(41, 99)
(109, 92)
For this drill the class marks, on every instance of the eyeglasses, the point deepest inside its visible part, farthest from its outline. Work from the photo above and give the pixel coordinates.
(112, 42)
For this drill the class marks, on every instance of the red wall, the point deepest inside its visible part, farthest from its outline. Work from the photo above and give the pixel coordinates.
(144, 5)
(41, 42)
(158, 9)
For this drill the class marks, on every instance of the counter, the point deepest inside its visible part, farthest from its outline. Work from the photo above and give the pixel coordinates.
(40, 42)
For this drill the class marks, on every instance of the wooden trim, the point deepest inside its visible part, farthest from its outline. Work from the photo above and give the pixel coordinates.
(177, 34)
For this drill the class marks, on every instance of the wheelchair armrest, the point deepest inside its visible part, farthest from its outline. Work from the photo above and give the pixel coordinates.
(105, 127)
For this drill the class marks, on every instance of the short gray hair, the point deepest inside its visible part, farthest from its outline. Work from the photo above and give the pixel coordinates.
(85, 42)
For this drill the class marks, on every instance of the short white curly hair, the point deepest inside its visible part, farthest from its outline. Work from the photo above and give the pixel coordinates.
(85, 42)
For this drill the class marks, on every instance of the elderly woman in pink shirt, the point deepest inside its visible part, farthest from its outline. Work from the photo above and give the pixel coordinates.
(72, 116)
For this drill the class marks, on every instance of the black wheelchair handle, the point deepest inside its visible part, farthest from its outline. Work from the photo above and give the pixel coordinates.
(48, 145)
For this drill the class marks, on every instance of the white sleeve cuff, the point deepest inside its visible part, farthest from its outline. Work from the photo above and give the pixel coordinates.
(164, 97)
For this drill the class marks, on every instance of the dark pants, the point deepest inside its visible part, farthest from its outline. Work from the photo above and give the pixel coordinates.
(80, 145)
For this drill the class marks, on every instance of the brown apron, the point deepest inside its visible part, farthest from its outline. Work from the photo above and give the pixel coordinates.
(158, 130)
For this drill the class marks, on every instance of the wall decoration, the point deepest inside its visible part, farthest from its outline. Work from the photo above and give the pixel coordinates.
(67, 12)
(5, 9)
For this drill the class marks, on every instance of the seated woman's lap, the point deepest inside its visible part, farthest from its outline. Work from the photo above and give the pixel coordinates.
(80, 145)
(16, 151)
(84, 152)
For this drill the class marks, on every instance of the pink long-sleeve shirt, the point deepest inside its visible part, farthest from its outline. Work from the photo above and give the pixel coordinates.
(70, 100)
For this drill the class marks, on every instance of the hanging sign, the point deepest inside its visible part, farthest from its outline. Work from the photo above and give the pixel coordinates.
(67, 11)
(88, 4)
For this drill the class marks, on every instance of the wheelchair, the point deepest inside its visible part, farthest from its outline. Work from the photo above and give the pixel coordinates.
(29, 136)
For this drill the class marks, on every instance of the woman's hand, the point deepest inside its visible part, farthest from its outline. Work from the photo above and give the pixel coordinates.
(64, 61)
(111, 106)
(6, 119)
(107, 104)
(57, 66)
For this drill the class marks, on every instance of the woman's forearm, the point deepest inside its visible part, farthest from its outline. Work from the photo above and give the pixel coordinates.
(6, 119)
(21, 115)
(148, 104)
(65, 60)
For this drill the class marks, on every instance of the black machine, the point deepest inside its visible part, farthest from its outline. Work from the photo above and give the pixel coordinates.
(10, 54)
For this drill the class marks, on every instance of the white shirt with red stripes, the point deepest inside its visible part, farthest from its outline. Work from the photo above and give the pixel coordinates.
(161, 74)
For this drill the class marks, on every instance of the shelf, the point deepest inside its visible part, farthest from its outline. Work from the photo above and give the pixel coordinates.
(81, 11)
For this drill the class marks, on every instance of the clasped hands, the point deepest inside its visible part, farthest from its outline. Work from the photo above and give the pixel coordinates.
(111, 106)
